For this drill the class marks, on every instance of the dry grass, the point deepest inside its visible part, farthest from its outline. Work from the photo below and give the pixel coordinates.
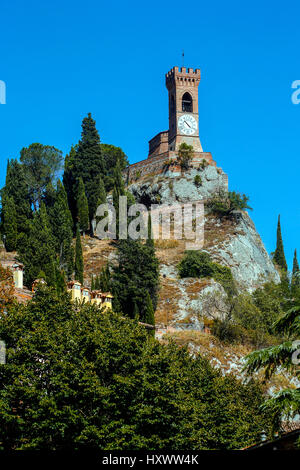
(166, 244)
(193, 287)
(96, 254)
(168, 301)
(171, 255)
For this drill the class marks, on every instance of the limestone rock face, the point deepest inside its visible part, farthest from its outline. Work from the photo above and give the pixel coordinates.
(244, 252)
(177, 187)
(234, 243)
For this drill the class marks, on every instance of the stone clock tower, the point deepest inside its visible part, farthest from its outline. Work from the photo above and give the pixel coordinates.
(182, 85)
(183, 108)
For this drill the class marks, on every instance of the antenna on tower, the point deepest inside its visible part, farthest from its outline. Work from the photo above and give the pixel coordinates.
(182, 58)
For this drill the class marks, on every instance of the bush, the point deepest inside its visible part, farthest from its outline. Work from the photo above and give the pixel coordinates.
(223, 203)
(199, 264)
(197, 181)
(227, 331)
(185, 155)
(203, 164)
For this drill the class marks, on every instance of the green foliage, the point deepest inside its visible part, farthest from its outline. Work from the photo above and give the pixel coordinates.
(149, 312)
(223, 203)
(10, 227)
(112, 155)
(88, 162)
(227, 331)
(286, 402)
(185, 155)
(279, 256)
(101, 193)
(295, 273)
(198, 181)
(136, 274)
(41, 164)
(199, 264)
(38, 250)
(271, 301)
(82, 207)
(70, 183)
(118, 190)
(62, 231)
(104, 279)
(78, 258)
(77, 378)
(17, 189)
(255, 317)
(204, 163)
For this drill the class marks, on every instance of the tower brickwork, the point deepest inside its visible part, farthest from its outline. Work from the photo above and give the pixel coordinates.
(182, 85)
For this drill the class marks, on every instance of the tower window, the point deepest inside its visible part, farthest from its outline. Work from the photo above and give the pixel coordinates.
(187, 103)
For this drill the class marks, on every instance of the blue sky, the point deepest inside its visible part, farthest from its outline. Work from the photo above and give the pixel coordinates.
(61, 60)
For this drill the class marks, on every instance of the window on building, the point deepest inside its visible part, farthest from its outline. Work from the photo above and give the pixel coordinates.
(187, 103)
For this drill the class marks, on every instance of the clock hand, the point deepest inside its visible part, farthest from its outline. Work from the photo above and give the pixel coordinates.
(187, 124)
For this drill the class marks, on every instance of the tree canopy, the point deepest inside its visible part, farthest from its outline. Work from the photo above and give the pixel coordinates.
(80, 377)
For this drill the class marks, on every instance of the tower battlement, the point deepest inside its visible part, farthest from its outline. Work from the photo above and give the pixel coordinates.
(183, 74)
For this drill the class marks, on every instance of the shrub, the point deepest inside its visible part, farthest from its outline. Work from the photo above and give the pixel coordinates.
(196, 264)
(185, 155)
(227, 331)
(203, 164)
(199, 264)
(223, 203)
(197, 181)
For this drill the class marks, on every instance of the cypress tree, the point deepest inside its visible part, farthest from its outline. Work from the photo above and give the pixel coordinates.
(89, 163)
(149, 311)
(49, 199)
(118, 190)
(296, 271)
(82, 208)
(104, 279)
(78, 257)
(17, 188)
(137, 272)
(70, 182)
(150, 241)
(136, 314)
(92, 283)
(10, 227)
(101, 194)
(38, 252)
(279, 256)
(97, 283)
(62, 231)
(98, 194)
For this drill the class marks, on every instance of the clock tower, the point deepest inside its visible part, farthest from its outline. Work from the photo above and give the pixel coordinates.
(182, 85)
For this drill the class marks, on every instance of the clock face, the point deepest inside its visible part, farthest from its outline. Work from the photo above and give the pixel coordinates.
(187, 124)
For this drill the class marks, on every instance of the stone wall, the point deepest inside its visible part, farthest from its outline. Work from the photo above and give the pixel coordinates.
(157, 165)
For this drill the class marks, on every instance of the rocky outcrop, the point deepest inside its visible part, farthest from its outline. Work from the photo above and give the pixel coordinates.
(178, 187)
(245, 254)
(232, 242)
